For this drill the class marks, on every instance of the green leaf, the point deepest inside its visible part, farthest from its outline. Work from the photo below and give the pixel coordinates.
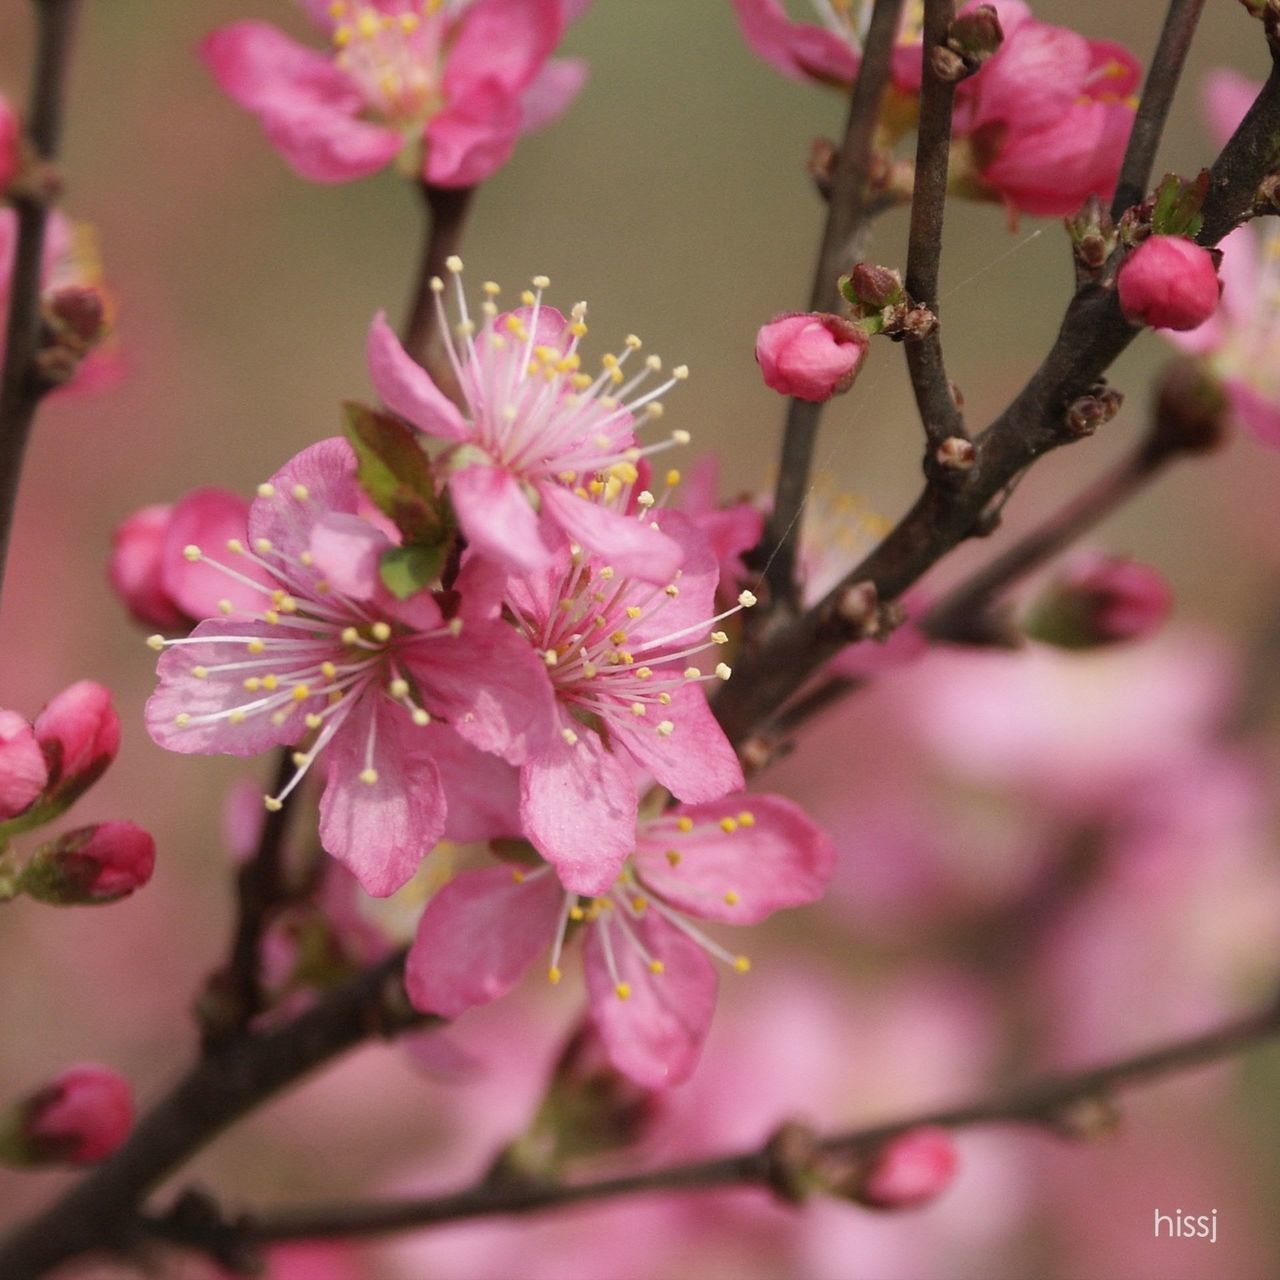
(408, 570)
(1176, 211)
(396, 474)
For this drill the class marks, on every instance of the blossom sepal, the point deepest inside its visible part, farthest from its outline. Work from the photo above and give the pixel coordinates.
(90, 866)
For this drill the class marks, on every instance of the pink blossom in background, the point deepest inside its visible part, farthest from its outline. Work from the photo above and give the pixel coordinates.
(619, 653)
(23, 773)
(1099, 599)
(442, 89)
(545, 452)
(910, 1170)
(648, 968)
(79, 1117)
(1168, 282)
(10, 144)
(333, 659)
(810, 356)
(97, 864)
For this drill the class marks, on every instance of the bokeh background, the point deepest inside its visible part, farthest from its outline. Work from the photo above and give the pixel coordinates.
(674, 198)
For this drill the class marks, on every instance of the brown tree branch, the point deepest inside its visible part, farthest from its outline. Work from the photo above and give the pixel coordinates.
(20, 386)
(446, 211)
(1062, 1104)
(1167, 61)
(847, 214)
(938, 411)
(1092, 336)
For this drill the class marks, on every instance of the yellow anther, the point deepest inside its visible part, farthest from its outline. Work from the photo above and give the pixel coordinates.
(672, 590)
(266, 490)
(409, 22)
(270, 683)
(381, 632)
(314, 720)
(398, 688)
(554, 975)
(300, 759)
(595, 487)
(638, 709)
(719, 637)
(627, 472)
(550, 657)
(335, 697)
(235, 546)
(527, 297)
(684, 824)
(420, 717)
(288, 605)
(680, 372)
(576, 913)
(453, 264)
(272, 804)
(643, 673)
(301, 693)
(349, 635)
(623, 991)
(746, 818)
(639, 903)
(673, 858)
(437, 285)
(541, 282)
(657, 967)
(692, 673)
(612, 487)
(328, 670)
(271, 616)
(491, 288)
(680, 436)
(723, 671)
(741, 963)
(262, 545)
(341, 36)
(182, 719)
(666, 728)
(728, 825)
(609, 360)
(569, 736)
(369, 777)
(673, 477)
(645, 499)
(455, 627)
(256, 646)
(200, 673)
(606, 573)
(655, 409)
(517, 875)
(618, 637)
(236, 717)
(581, 380)
(633, 611)
(191, 553)
(665, 699)
(252, 684)
(746, 599)
(155, 642)
(225, 606)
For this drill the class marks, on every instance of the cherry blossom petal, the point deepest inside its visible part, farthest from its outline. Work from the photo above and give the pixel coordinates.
(578, 807)
(503, 44)
(655, 1035)
(490, 685)
(208, 519)
(1037, 75)
(551, 91)
(800, 50)
(696, 601)
(318, 481)
(22, 768)
(495, 515)
(477, 937)
(483, 791)
(739, 875)
(694, 761)
(323, 145)
(632, 546)
(406, 388)
(380, 830)
(346, 550)
(472, 138)
(1228, 95)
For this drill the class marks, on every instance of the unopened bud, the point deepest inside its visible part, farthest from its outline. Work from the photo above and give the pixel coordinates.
(1100, 600)
(956, 453)
(871, 287)
(811, 356)
(22, 768)
(976, 34)
(1087, 413)
(916, 322)
(80, 1117)
(909, 1170)
(857, 608)
(947, 65)
(91, 865)
(79, 311)
(1168, 282)
(1190, 411)
(79, 733)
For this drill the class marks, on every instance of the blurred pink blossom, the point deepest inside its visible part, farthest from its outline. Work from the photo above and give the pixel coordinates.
(79, 1117)
(1168, 282)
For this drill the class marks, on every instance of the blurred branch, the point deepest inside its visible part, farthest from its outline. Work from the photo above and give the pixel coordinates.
(21, 387)
(1079, 1105)
(446, 215)
(1039, 420)
(938, 412)
(847, 216)
(100, 1211)
(1157, 97)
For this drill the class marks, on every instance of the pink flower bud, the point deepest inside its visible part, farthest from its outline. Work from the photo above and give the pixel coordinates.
(810, 356)
(79, 733)
(909, 1170)
(22, 768)
(90, 865)
(134, 568)
(1169, 282)
(80, 1117)
(1100, 600)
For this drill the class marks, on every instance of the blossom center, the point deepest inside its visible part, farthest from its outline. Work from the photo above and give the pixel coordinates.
(394, 57)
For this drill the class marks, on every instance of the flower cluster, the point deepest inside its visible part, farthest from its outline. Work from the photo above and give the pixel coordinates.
(443, 88)
(479, 623)
(1040, 125)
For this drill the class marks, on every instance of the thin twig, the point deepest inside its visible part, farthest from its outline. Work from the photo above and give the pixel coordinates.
(1093, 334)
(937, 407)
(1157, 97)
(1053, 1102)
(20, 388)
(446, 215)
(847, 213)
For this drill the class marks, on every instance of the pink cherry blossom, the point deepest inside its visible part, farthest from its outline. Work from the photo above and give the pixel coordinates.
(618, 652)
(1168, 282)
(443, 87)
(810, 356)
(91, 865)
(1100, 599)
(333, 660)
(23, 773)
(79, 1117)
(649, 975)
(79, 733)
(157, 583)
(540, 439)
